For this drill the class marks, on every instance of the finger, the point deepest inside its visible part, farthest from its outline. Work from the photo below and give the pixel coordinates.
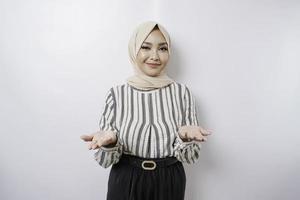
(205, 132)
(94, 146)
(203, 129)
(90, 146)
(209, 131)
(86, 137)
(97, 144)
(201, 139)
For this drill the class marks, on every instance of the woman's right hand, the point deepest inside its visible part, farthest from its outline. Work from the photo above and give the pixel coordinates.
(100, 138)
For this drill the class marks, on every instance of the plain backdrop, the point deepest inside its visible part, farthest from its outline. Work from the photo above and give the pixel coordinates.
(240, 59)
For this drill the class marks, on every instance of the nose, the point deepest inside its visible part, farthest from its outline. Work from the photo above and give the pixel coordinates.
(154, 56)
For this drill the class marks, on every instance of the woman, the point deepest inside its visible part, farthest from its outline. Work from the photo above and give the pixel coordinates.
(148, 126)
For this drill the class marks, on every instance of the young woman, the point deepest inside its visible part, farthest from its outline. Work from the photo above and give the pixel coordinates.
(148, 126)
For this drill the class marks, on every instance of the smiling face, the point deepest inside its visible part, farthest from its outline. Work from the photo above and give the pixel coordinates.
(153, 55)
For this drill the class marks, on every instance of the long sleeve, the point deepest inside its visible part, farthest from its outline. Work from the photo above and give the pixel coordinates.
(190, 115)
(188, 152)
(107, 156)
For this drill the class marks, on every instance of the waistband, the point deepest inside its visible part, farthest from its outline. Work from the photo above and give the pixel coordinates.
(147, 163)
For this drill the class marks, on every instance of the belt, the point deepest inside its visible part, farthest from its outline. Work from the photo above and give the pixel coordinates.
(147, 163)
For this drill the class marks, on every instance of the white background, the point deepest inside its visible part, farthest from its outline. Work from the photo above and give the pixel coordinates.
(240, 59)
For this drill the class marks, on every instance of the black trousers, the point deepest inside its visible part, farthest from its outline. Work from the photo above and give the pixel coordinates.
(127, 182)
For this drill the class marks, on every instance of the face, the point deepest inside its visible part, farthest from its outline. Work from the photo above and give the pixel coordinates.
(153, 55)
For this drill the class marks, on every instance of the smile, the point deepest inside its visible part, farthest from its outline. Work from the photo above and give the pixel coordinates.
(153, 65)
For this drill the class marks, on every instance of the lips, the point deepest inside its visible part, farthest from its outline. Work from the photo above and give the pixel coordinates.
(153, 64)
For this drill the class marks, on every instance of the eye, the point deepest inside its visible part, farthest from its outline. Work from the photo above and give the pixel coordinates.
(164, 49)
(145, 47)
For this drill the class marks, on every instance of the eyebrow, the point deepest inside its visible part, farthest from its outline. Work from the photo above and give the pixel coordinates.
(162, 43)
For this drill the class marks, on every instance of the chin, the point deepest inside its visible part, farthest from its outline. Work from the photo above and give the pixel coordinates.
(152, 73)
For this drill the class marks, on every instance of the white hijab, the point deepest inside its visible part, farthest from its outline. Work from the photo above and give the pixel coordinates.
(140, 80)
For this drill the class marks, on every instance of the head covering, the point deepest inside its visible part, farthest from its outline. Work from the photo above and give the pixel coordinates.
(140, 79)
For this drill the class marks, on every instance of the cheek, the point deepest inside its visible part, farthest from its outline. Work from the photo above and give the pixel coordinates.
(141, 57)
(164, 57)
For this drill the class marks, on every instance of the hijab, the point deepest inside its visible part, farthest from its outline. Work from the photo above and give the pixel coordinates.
(141, 80)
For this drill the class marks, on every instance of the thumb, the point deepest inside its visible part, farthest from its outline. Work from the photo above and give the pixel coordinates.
(87, 137)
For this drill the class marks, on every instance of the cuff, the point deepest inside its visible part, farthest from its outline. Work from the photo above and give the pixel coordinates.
(182, 145)
(112, 148)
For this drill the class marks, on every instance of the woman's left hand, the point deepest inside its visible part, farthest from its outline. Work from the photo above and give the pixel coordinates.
(188, 133)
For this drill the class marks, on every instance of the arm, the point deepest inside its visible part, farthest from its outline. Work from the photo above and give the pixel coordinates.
(109, 154)
(184, 151)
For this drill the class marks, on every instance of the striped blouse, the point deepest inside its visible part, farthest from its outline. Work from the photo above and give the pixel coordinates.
(146, 123)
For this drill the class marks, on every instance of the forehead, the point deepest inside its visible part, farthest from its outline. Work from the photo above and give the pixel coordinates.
(155, 37)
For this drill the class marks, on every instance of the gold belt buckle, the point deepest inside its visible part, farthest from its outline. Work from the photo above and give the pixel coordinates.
(148, 168)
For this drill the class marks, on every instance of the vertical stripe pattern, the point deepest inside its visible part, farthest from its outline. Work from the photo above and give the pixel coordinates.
(147, 122)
